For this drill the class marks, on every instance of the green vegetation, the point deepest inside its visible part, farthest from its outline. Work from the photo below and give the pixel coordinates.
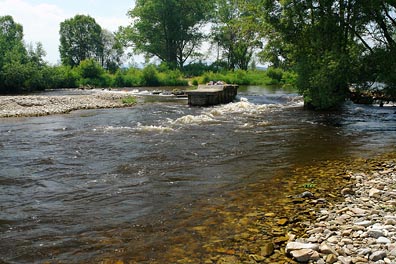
(253, 77)
(81, 38)
(309, 185)
(321, 47)
(168, 30)
(236, 32)
(332, 45)
(130, 100)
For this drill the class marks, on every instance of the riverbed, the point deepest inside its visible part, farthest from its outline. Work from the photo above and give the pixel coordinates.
(162, 182)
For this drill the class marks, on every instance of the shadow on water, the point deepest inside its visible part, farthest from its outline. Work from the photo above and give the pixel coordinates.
(162, 182)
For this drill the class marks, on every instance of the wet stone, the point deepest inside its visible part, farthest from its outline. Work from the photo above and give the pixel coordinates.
(267, 249)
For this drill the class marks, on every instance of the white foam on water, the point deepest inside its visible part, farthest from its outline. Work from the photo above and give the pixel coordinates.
(263, 123)
(193, 120)
(155, 129)
(112, 128)
(243, 107)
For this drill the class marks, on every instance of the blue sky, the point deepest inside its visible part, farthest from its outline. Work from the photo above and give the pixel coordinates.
(41, 18)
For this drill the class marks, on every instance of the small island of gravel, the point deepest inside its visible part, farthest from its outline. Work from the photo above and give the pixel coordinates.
(40, 105)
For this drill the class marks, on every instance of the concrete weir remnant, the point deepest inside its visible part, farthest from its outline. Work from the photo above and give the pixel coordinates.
(212, 94)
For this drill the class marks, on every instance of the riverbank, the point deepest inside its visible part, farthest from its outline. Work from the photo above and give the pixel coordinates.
(328, 212)
(362, 228)
(41, 105)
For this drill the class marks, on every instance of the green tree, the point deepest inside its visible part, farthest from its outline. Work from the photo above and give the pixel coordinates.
(236, 31)
(322, 40)
(13, 56)
(379, 40)
(80, 39)
(113, 51)
(167, 29)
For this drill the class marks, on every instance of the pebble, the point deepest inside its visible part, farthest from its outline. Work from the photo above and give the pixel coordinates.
(40, 105)
(361, 229)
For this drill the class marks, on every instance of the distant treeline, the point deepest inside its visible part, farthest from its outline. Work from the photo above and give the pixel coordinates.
(331, 46)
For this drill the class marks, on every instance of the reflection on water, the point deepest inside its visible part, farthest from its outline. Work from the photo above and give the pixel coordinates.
(130, 182)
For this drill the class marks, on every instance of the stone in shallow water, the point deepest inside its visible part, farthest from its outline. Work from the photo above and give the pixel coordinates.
(267, 249)
(283, 221)
(256, 258)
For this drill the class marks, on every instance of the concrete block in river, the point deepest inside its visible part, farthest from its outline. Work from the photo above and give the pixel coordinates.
(207, 95)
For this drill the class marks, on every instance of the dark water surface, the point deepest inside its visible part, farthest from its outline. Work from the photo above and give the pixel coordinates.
(119, 183)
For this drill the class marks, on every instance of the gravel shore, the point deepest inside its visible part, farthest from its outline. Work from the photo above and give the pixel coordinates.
(361, 229)
(40, 105)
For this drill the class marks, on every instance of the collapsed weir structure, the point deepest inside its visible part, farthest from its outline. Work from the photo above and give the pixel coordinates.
(212, 94)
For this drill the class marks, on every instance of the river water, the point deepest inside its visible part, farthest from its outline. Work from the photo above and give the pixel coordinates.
(122, 183)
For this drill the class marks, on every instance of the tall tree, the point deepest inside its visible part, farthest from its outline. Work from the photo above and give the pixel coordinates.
(21, 68)
(379, 39)
(80, 39)
(113, 51)
(167, 29)
(236, 31)
(11, 38)
(322, 35)
(12, 55)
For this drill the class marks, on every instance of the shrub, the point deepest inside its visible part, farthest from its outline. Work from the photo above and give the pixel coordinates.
(90, 69)
(172, 78)
(276, 74)
(129, 100)
(150, 76)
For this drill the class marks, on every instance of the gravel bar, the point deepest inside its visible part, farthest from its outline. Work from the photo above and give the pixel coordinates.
(41, 105)
(361, 229)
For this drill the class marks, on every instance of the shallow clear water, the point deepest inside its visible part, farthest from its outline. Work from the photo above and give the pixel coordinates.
(72, 185)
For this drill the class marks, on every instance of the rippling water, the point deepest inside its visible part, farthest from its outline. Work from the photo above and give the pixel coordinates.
(77, 187)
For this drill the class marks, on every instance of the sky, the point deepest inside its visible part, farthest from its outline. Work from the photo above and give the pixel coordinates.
(41, 18)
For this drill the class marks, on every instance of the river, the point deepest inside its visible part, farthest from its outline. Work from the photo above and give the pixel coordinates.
(124, 183)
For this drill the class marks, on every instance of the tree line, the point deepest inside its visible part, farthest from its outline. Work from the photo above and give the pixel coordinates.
(330, 45)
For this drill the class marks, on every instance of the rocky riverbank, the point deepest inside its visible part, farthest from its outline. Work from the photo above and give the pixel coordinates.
(40, 105)
(361, 229)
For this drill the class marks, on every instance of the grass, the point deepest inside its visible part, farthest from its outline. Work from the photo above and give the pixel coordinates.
(129, 100)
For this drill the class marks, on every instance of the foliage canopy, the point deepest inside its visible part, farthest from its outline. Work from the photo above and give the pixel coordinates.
(167, 29)
(80, 39)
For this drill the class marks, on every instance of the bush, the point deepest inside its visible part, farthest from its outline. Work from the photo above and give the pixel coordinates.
(172, 78)
(130, 100)
(150, 76)
(64, 77)
(90, 69)
(92, 74)
(276, 74)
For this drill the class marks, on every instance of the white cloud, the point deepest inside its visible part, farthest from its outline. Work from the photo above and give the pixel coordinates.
(112, 23)
(41, 21)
